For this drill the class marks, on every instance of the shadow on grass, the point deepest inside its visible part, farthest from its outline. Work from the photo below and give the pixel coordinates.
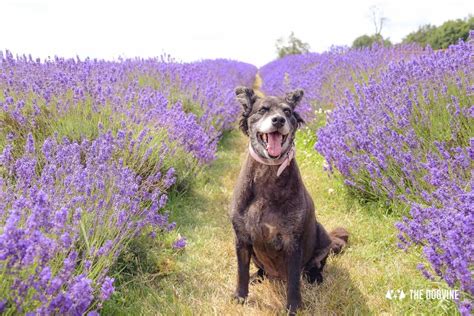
(337, 295)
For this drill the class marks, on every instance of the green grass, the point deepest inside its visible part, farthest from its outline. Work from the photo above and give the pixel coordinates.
(201, 279)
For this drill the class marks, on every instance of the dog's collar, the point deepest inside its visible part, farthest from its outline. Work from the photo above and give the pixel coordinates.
(283, 162)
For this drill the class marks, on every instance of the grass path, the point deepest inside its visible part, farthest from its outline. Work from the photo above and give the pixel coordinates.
(203, 277)
(201, 280)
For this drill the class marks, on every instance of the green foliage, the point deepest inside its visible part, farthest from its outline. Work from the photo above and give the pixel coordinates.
(291, 46)
(367, 41)
(363, 41)
(422, 36)
(143, 262)
(442, 36)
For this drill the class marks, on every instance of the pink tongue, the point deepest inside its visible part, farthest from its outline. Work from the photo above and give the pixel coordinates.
(274, 144)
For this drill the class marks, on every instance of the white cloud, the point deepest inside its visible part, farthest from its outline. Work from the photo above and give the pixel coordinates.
(189, 30)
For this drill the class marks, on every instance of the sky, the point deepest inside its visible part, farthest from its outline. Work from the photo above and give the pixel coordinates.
(189, 30)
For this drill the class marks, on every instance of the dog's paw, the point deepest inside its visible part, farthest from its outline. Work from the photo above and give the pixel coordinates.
(236, 298)
(319, 278)
(313, 275)
(257, 277)
(292, 308)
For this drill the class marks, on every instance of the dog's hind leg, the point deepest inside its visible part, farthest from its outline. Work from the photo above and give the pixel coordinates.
(312, 273)
(260, 275)
(313, 270)
(257, 277)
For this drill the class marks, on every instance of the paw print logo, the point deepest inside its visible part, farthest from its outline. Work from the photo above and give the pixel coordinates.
(395, 294)
(401, 295)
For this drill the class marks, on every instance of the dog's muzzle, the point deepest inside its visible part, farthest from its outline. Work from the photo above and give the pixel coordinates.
(283, 161)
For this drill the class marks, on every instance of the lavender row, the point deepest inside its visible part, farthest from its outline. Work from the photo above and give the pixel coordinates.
(89, 150)
(401, 130)
(63, 227)
(409, 137)
(153, 92)
(325, 76)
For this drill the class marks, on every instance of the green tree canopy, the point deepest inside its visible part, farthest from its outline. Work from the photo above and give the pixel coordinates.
(368, 41)
(291, 46)
(442, 36)
(421, 36)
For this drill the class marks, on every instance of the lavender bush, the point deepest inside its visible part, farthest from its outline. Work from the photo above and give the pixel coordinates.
(408, 137)
(89, 149)
(325, 76)
(63, 227)
(46, 96)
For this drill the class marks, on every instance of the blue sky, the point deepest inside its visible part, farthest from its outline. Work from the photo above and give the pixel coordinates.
(190, 30)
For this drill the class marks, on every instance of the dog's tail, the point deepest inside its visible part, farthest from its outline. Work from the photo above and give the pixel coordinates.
(339, 239)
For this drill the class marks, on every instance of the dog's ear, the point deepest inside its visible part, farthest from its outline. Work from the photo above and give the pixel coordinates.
(246, 98)
(294, 97)
(299, 119)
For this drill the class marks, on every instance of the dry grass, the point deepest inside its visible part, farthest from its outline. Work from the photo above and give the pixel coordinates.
(355, 281)
(257, 84)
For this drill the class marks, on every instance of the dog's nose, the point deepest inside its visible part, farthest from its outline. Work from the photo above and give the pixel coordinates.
(278, 121)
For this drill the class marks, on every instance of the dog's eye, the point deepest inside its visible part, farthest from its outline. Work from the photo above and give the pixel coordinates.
(263, 110)
(287, 111)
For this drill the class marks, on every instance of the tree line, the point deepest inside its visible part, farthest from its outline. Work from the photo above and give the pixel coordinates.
(438, 37)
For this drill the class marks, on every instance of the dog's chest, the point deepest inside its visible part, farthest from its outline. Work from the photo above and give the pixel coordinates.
(268, 228)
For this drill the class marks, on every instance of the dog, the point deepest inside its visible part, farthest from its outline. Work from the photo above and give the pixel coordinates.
(272, 213)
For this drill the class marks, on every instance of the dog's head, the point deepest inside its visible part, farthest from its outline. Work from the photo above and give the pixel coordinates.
(270, 122)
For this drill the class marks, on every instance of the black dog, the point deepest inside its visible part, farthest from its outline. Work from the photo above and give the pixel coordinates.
(272, 212)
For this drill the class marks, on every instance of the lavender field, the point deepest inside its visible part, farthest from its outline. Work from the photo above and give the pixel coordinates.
(90, 150)
(115, 177)
(400, 130)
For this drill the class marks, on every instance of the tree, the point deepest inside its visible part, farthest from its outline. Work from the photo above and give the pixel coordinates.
(363, 41)
(367, 41)
(291, 46)
(422, 36)
(442, 36)
(376, 15)
(378, 19)
(451, 31)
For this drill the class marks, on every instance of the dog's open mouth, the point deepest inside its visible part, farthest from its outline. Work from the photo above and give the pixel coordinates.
(272, 142)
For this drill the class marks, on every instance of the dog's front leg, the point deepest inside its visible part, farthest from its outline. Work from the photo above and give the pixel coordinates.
(293, 278)
(244, 252)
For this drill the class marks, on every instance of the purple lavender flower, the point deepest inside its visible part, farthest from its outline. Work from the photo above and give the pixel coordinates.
(465, 308)
(80, 294)
(107, 288)
(180, 243)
